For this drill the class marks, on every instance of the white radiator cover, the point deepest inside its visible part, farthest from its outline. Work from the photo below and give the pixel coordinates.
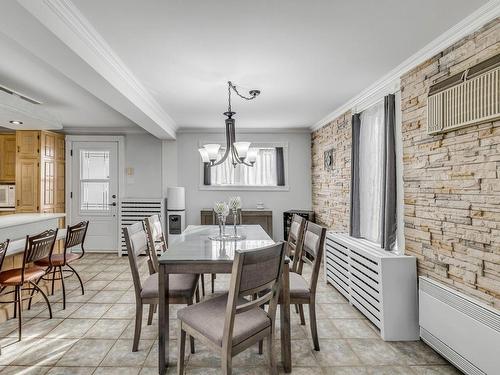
(464, 331)
(380, 284)
(133, 210)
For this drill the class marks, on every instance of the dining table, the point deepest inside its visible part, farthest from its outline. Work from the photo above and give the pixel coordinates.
(195, 252)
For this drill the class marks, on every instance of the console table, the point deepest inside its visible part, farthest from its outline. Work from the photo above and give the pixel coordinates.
(249, 216)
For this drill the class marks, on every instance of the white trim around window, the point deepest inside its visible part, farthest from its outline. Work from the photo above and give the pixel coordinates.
(286, 187)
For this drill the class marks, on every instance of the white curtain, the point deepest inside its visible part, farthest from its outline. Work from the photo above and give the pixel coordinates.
(371, 156)
(263, 173)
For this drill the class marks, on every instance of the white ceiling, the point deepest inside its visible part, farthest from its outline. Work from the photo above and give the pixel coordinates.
(307, 57)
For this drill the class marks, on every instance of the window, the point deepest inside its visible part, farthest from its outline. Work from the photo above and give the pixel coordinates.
(267, 172)
(94, 180)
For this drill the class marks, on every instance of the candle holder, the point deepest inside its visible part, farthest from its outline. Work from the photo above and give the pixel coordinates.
(221, 209)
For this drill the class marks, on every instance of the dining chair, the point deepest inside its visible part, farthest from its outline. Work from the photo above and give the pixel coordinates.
(182, 287)
(231, 323)
(303, 292)
(37, 247)
(295, 239)
(75, 236)
(229, 221)
(156, 241)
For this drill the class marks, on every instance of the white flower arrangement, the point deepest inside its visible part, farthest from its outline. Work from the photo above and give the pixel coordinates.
(221, 208)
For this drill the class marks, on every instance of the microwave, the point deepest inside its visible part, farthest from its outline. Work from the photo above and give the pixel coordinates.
(7, 196)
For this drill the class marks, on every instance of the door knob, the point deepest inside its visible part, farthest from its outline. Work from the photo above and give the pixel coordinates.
(113, 204)
(113, 196)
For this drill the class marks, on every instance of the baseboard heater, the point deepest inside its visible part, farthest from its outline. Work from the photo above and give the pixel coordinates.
(380, 284)
(464, 331)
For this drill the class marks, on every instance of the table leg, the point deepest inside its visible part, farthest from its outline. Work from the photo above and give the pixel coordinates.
(163, 323)
(286, 345)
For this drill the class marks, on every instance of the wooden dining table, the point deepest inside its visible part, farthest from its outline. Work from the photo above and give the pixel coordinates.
(194, 252)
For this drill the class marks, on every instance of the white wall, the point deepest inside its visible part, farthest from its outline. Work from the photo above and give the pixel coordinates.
(299, 176)
(143, 153)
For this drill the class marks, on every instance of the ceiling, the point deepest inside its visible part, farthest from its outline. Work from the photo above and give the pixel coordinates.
(307, 58)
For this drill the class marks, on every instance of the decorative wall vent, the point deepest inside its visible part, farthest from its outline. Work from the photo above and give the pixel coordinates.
(467, 98)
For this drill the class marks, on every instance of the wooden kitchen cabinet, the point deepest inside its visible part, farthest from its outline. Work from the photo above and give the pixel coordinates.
(40, 177)
(7, 157)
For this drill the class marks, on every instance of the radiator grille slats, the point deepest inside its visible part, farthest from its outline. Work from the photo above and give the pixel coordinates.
(474, 101)
(134, 210)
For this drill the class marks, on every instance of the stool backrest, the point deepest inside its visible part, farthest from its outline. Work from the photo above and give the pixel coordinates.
(136, 241)
(75, 235)
(3, 250)
(38, 247)
(255, 273)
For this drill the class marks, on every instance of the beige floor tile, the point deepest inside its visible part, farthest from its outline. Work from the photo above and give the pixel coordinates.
(335, 352)
(389, 370)
(77, 297)
(340, 310)
(147, 332)
(86, 352)
(91, 311)
(25, 370)
(37, 327)
(121, 354)
(417, 353)
(71, 371)
(354, 328)
(152, 359)
(95, 284)
(375, 352)
(107, 329)
(120, 311)
(44, 352)
(71, 328)
(107, 276)
(117, 371)
(119, 285)
(345, 370)
(436, 370)
(58, 312)
(107, 296)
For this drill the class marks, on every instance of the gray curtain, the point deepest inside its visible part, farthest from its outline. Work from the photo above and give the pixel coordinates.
(388, 211)
(280, 166)
(207, 175)
(354, 212)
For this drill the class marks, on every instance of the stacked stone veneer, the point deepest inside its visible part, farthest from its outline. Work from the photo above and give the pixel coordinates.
(452, 181)
(331, 189)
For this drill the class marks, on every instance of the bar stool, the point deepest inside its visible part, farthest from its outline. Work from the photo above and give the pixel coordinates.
(37, 247)
(75, 236)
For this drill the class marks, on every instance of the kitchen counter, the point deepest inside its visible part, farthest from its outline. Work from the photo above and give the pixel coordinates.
(17, 226)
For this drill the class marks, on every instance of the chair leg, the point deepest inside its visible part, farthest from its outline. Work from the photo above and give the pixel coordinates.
(33, 290)
(314, 327)
(272, 357)
(301, 312)
(181, 347)
(79, 279)
(150, 314)
(191, 338)
(63, 287)
(197, 294)
(53, 281)
(138, 326)
(19, 303)
(296, 309)
(261, 346)
(15, 302)
(226, 363)
(44, 297)
(213, 283)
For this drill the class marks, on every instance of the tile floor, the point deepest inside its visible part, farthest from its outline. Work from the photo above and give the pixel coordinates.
(94, 336)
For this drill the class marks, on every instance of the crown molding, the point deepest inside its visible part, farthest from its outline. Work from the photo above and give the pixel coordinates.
(110, 130)
(389, 83)
(65, 20)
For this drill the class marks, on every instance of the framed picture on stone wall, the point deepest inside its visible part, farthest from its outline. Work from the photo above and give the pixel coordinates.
(328, 159)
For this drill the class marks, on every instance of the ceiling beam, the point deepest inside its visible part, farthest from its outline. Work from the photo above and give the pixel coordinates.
(70, 26)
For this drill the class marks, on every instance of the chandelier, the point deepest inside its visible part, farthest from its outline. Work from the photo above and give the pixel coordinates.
(240, 152)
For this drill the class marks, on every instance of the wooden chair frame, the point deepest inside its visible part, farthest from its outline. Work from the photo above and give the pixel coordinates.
(267, 293)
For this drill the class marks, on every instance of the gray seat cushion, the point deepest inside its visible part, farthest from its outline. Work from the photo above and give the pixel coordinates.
(179, 285)
(208, 318)
(299, 287)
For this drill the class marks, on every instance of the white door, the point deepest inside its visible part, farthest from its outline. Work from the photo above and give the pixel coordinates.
(94, 189)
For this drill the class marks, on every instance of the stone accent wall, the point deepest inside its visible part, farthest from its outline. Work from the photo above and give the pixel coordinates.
(331, 189)
(452, 180)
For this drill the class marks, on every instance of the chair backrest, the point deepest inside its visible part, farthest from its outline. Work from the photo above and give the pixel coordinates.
(75, 236)
(3, 250)
(312, 251)
(296, 239)
(38, 247)
(136, 242)
(156, 241)
(255, 273)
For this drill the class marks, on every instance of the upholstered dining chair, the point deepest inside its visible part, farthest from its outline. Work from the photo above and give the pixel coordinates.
(37, 247)
(75, 237)
(156, 241)
(231, 323)
(303, 292)
(182, 286)
(295, 239)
